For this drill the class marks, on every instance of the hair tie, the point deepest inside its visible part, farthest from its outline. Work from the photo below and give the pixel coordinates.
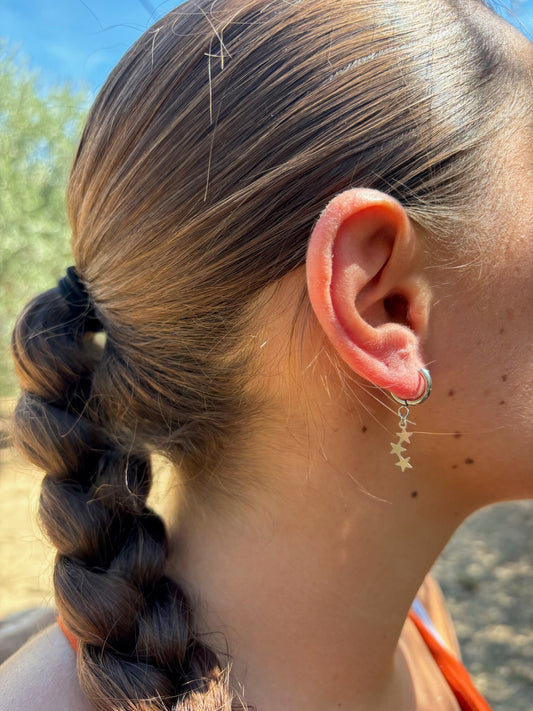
(78, 300)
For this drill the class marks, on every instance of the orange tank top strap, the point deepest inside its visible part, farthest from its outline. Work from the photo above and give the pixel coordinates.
(454, 672)
(72, 639)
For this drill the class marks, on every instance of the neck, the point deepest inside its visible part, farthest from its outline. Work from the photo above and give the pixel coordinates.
(311, 580)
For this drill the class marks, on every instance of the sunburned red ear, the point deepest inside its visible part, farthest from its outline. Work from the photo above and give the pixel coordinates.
(366, 290)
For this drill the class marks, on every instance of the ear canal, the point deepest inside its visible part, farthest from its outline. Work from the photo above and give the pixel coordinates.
(397, 309)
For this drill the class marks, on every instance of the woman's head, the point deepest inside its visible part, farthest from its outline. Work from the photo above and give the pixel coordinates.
(212, 150)
(206, 161)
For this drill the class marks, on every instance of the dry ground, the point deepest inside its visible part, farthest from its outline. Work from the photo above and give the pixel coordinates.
(486, 572)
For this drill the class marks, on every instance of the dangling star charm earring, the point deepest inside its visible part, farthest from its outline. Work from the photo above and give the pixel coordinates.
(403, 436)
(403, 412)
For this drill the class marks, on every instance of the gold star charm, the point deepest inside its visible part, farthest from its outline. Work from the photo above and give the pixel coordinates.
(397, 448)
(403, 463)
(404, 436)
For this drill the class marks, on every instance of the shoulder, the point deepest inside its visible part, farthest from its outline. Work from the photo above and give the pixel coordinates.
(42, 674)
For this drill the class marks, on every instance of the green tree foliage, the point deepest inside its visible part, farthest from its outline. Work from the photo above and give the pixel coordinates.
(39, 127)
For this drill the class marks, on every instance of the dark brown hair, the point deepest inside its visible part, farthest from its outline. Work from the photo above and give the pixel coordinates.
(206, 159)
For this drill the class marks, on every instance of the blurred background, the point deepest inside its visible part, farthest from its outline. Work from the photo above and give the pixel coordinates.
(54, 56)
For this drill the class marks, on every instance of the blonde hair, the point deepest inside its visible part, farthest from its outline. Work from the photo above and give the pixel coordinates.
(206, 158)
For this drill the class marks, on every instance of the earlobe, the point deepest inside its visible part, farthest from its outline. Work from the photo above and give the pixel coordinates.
(366, 291)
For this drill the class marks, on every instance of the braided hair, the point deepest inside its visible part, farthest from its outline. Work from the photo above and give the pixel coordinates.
(111, 548)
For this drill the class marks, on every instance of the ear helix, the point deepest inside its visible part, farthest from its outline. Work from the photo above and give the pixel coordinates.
(403, 412)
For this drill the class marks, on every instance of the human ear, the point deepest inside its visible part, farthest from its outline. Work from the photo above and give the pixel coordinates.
(367, 289)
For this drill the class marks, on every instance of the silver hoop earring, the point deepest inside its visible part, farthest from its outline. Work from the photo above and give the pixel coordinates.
(404, 437)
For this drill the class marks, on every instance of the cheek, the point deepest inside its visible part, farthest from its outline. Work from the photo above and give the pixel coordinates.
(480, 355)
(482, 327)
(472, 354)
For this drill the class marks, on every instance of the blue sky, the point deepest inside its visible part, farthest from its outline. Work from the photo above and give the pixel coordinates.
(77, 40)
(81, 40)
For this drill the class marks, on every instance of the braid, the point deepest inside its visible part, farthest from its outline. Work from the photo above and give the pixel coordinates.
(137, 649)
